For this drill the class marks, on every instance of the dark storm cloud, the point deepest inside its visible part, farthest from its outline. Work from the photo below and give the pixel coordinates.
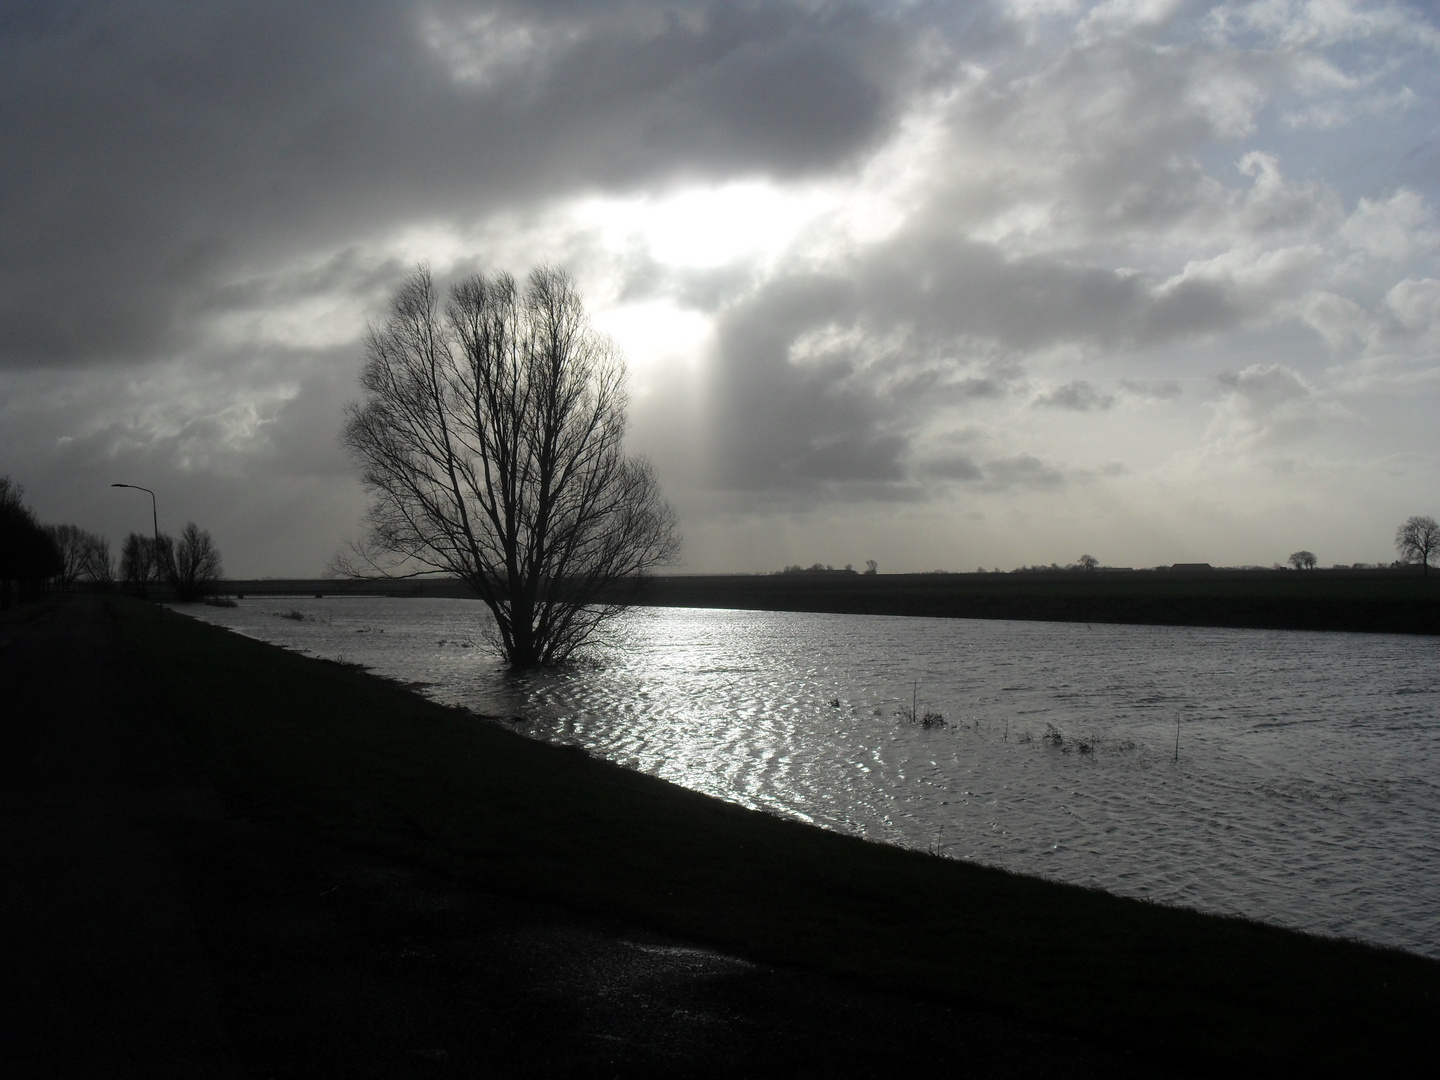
(913, 314)
(782, 424)
(1078, 396)
(1155, 389)
(151, 153)
(958, 467)
(1018, 471)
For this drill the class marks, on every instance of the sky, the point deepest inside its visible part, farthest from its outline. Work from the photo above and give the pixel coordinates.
(942, 285)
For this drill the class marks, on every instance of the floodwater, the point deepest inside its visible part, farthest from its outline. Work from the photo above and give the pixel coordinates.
(1304, 791)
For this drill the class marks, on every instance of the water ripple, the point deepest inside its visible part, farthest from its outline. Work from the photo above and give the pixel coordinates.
(1305, 791)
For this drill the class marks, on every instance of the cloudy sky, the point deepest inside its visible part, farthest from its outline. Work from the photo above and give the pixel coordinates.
(944, 285)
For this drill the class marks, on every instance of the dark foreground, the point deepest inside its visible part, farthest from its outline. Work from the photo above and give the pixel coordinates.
(223, 859)
(151, 928)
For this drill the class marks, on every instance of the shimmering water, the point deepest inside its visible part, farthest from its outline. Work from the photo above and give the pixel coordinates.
(1305, 791)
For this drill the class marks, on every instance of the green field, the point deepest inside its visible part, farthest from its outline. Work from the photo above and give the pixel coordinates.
(351, 757)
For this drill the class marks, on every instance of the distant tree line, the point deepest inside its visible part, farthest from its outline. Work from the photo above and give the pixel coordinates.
(28, 555)
(36, 557)
(1417, 541)
(190, 565)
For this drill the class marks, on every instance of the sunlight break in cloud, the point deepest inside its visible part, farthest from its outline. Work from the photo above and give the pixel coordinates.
(941, 285)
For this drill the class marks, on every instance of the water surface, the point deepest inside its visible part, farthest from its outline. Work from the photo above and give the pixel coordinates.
(1304, 792)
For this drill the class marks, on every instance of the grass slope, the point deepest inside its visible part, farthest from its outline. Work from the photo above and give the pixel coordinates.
(359, 759)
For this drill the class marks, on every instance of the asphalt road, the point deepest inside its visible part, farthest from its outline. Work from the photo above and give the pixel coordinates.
(148, 929)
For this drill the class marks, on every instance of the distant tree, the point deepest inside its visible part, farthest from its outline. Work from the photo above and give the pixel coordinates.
(99, 563)
(1418, 540)
(138, 565)
(28, 556)
(871, 566)
(1303, 560)
(192, 562)
(1088, 562)
(70, 542)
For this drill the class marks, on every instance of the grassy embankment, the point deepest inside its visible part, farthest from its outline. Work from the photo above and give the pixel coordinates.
(328, 749)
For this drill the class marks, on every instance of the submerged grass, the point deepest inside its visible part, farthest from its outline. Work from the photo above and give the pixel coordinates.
(355, 758)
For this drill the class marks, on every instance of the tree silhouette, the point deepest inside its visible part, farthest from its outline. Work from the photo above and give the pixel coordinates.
(490, 436)
(193, 562)
(1418, 540)
(99, 565)
(138, 565)
(28, 555)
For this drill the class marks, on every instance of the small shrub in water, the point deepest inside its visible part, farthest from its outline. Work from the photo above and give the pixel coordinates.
(219, 601)
(932, 719)
(293, 614)
(1052, 736)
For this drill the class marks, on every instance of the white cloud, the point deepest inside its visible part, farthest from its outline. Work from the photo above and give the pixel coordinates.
(1390, 228)
(1338, 319)
(1415, 306)
(1126, 16)
(1318, 23)
(1268, 407)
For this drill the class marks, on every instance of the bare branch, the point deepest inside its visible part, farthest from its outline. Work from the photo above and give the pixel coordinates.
(490, 437)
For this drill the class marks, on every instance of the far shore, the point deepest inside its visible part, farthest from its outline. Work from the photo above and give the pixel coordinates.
(1397, 601)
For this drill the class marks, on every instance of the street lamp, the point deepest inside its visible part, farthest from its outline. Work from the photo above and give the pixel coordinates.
(155, 521)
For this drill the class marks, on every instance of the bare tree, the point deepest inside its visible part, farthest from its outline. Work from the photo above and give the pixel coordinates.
(71, 543)
(872, 567)
(490, 436)
(138, 565)
(99, 563)
(82, 555)
(1087, 562)
(1418, 540)
(193, 562)
(1303, 560)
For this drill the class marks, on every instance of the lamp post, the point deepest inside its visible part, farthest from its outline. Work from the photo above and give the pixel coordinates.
(155, 521)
